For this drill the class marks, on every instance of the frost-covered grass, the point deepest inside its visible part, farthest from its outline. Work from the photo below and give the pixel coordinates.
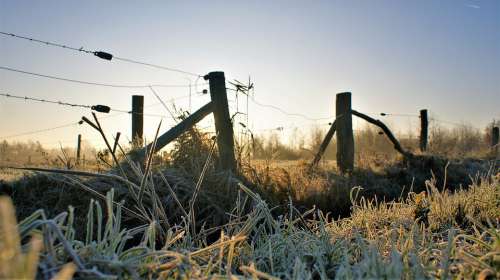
(436, 234)
(187, 219)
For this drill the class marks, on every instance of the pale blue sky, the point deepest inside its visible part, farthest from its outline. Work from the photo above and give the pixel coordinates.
(395, 56)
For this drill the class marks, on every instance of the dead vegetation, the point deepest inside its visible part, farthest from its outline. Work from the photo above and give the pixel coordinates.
(181, 216)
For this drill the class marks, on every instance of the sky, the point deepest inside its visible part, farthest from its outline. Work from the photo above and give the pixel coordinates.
(394, 56)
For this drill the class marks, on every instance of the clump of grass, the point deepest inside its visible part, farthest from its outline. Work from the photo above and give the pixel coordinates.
(14, 263)
(168, 188)
(325, 189)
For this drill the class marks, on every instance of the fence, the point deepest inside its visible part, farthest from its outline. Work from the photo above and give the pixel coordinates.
(223, 125)
(219, 107)
(345, 143)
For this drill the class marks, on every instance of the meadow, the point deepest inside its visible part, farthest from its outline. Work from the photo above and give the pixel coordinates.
(178, 215)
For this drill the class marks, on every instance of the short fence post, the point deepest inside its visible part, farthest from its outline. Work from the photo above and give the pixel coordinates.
(424, 125)
(345, 137)
(494, 139)
(223, 124)
(137, 120)
(78, 149)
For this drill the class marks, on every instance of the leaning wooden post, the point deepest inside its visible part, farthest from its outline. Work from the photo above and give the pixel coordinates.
(494, 139)
(424, 125)
(345, 137)
(180, 128)
(324, 144)
(78, 149)
(117, 139)
(386, 131)
(137, 120)
(223, 124)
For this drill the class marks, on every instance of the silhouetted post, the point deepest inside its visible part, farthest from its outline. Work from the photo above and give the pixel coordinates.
(180, 128)
(424, 125)
(345, 137)
(137, 120)
(117, 139)
(386, 131)
(324, 144)
(78, 149)
(494, 139)
(223, 124)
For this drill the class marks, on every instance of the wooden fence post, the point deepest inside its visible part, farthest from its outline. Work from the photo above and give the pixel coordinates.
(78, 149)
(424, 125)
(117, 139)
(386, 131)
(324, 144)
(180, 128)
(223, 124)
(137, 120)
(345, 137)
(494, 139)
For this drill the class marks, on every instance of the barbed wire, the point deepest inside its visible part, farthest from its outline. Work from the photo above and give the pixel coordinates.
(84, 139)
(430, 119)
(286, 112)
(156, 66)
(100, 54)
(109, 56)
(38, 131)
(162, 103)
(282, 128)
(90, 83)
(244, 89)
(26, 98)
(47, 43)
(93, 107)
(399, 115)
(31, 132)
(450, 122)
(144, 114)
(53, 128)
(170, 99)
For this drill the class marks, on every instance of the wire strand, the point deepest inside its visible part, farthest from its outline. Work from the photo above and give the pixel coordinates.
(27, 98)
(38, 131)
(45, 101)
(144, 114)
(81, 49)
(282, 128)
(450, 122)
(288, 113)
(162, 103)
(87, 82)
(399, 115)
(47, 42)
(171, 99)
(157, 66)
